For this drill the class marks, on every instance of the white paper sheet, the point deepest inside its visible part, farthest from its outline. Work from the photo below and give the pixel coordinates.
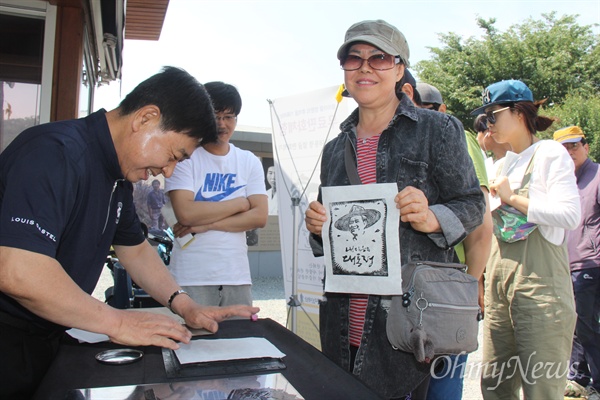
(205, 350)
(495, 202)
(87, 337)
(360, 239)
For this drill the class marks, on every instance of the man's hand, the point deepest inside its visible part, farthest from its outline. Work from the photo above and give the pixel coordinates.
(314, 217)
(205, 317)
(149, 329)
(182, 230)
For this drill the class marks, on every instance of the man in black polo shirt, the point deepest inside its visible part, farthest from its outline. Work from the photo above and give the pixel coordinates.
(65, 198)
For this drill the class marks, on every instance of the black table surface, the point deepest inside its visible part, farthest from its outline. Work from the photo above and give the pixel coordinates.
(307, 369)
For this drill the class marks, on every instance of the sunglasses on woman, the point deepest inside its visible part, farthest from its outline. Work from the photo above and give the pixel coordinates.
(491, 117)
(379, 62)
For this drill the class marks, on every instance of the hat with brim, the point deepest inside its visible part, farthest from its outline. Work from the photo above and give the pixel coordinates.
(371, 216)
(378, 33)
(571, 134)
(504, 92)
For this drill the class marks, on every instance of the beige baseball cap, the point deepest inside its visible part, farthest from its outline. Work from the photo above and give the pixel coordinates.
(380, 34)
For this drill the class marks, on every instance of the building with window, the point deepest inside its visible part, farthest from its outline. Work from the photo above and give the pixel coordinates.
(54, 54)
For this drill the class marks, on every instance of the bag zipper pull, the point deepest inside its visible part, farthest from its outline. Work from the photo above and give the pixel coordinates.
(421, 305)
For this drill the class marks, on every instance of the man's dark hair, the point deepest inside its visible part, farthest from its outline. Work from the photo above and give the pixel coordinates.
(184, 104)
(225, 97)
(408, 78)
(480, 123)
(434, 106)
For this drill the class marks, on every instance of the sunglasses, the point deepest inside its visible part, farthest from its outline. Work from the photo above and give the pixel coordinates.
(379, 62)
(491, 117)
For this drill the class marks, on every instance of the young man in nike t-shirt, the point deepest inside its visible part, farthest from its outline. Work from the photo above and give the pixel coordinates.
(218, 194)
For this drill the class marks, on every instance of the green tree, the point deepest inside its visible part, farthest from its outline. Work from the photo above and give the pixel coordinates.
(555, 57)
(582, 111)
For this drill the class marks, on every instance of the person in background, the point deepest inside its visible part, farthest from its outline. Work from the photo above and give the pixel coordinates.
(218, 195)
(65, 198)
(529, 306)
(155, 202)
(489, 145)
(474, 251)
(408, 85)
(272, 193)
(583, 244)
(389, 140)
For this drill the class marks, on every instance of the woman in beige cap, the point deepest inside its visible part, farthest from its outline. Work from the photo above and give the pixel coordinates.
(387, 139)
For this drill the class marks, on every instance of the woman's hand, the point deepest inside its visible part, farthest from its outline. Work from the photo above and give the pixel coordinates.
(500, 187)
(315, 217)
(414, 209)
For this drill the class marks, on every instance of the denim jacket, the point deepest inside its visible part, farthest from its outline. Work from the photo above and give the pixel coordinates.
(427, 150)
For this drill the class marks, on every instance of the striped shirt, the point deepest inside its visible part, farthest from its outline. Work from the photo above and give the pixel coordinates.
(366, 150)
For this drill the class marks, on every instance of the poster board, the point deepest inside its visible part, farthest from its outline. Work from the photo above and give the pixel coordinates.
(302, 125)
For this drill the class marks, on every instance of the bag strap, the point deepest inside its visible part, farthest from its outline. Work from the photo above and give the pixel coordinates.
(529, 171)
(351, 168)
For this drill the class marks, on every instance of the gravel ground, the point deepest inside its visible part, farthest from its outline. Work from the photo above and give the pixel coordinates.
(269, 295)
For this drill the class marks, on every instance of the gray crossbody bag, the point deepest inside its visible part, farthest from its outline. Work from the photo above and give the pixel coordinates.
(439, 311)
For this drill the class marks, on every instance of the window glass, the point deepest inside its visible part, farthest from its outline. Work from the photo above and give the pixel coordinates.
(20, 109)
(85, 93)
(21, 53)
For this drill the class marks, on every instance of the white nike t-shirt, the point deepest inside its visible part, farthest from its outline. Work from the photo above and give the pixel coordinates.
(215, 257)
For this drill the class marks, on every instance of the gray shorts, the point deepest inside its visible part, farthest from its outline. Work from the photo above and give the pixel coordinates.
(220, 295)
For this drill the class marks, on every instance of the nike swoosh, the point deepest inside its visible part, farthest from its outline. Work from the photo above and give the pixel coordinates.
(217, 197)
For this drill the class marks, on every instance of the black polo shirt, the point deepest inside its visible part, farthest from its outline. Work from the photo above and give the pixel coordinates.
(62, 194)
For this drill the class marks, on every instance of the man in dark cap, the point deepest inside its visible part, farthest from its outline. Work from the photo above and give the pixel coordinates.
(474, 251)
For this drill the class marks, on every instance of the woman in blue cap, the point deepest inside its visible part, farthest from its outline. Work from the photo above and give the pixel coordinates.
(529, 308)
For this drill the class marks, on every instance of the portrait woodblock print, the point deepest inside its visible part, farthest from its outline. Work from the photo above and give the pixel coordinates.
(360, 239)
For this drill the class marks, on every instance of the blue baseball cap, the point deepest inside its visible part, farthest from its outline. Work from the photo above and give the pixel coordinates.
(503, 92)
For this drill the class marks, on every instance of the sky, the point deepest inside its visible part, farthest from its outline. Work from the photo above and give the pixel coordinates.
(279, 48)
